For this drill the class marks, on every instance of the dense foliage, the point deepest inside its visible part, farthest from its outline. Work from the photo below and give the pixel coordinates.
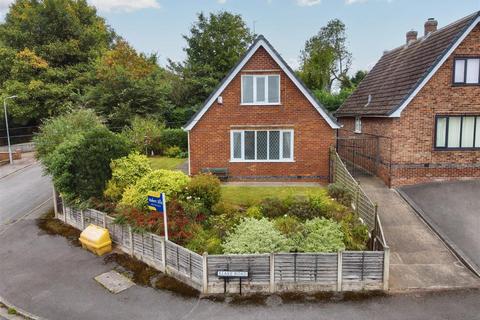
(126, 171)
(80, 166)
(255, 236)
(169, 182)
(320, 235)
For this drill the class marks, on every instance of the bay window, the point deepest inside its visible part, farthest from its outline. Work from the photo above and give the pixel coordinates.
(260, 89)
(457, 132)
(466, 71)
(261, 145)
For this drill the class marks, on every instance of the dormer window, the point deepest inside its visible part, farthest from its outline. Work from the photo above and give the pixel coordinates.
(260, 89)
(466, 71)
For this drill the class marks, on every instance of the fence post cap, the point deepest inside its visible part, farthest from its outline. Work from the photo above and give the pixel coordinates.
(205, 253)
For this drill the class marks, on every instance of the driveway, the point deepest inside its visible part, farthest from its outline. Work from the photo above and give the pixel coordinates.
(453, 211)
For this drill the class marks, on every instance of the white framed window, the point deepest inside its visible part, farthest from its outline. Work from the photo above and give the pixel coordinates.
(260, 89)
(457, 132)
(466, 71)
(261, 145)
(358, 125)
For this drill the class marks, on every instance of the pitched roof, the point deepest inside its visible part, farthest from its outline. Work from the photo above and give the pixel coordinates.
(260, 41)
(400, 73)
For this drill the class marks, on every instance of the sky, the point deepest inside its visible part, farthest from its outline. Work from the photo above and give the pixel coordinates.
(373, 26)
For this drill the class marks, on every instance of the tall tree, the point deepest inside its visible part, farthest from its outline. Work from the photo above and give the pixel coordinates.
(129, 84)
(326, 57)
(47, 48)
(215, 43)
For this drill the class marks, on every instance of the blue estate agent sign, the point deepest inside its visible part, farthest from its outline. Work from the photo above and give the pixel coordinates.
(156, 201)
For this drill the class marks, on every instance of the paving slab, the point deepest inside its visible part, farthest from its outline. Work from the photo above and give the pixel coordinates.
(419, 258)
(114, 281)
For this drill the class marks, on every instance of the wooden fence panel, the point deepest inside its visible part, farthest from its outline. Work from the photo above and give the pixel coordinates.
(362, 266)
(258, 266)
(184, 261)
(92, 216)
(119, 233)
(74, 217)
(305, 267)
(148, 245)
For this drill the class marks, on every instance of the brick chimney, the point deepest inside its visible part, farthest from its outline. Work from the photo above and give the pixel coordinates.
(430, 25)
(411, 36)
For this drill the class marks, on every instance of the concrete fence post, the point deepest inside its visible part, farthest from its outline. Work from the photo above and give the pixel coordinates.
(64, 212)
(55, 209)
(130, 233)
(339, 271)
(386, 267)
(205, 273)
(82, 218)
(104, 220)
(272, 272)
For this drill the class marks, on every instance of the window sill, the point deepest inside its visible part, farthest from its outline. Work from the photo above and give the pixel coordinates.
(357, 132)
(465, 84)
(261, 104)
(261, 161)
(457, 149)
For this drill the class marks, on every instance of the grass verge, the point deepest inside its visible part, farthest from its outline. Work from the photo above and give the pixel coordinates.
(252, 195)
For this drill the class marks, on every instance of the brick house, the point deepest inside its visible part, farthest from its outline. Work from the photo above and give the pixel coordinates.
(262, 123)
(420, 104)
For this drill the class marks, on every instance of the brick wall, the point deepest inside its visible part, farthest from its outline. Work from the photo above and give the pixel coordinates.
(414, 159)
(210, 137)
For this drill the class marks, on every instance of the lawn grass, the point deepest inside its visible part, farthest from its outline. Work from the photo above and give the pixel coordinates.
(165, 163)
(251, 195)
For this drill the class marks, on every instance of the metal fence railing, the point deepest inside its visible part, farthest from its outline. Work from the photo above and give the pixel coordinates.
(342, 271)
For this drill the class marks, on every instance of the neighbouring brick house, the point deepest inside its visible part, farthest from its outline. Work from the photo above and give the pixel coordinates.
(261, 123)
(420, 104)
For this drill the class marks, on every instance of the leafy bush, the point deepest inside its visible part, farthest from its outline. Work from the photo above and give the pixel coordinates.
(321, 235)
(204, 240)
(143, 132)
(54, 131)
(255, 236)
(125, 172)
(225, 217)
(173, 152)
(273, 207)
(205, 188)
(80, 166)
(290, 226)
(355, 232)
(340, 193)
(254, 212)
(169, 182)
(170, 137)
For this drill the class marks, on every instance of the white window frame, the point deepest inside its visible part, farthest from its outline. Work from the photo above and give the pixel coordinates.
(281, 159)
(465, 67)
(358, 125)
(255, 102)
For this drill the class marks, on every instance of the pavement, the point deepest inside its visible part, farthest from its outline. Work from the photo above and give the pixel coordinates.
(27, 160)
(452, 210)
(22, 190)
(418, 257)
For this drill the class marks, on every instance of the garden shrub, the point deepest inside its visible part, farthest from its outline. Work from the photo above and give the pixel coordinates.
(80, 166)
(255, 236)
(355, 232)
(139, 220)
(273, 207)
(225, 217)
(173, 152)
(321, 235)
(56, 130)
(167, 181)
(254, 212)
(204, 240)
(174, 137)
(303, 209)
(290, 226)
(205, 188)
(180, 222)
(340, 193)
(126, 171)
(143, 132)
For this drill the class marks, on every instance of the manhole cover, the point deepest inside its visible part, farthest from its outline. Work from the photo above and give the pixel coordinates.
(114, 281)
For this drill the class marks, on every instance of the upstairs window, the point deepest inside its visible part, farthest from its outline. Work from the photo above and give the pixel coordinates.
(260, 89)
(466, 71)
(261, 145)
(358, 125)
(457, 132)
